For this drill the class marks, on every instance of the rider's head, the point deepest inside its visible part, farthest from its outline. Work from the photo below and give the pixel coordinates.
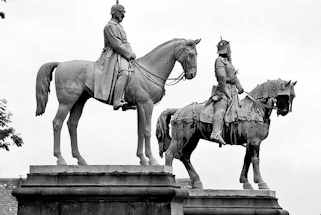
(224, 49)
(118, 12)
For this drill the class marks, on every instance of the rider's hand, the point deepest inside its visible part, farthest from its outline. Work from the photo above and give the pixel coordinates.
(241, 91)
(132, 56)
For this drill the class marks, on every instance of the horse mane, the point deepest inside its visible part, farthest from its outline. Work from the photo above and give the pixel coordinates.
(268, 89)
(162, 45)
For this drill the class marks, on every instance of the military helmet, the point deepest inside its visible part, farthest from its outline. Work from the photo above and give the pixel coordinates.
(117, 8)
(222, 46)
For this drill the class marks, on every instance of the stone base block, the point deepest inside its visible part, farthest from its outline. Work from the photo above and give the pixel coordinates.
(232, 202)
(100, 190)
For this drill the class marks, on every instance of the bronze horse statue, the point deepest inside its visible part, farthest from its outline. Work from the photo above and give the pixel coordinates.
(187, 129)
(75, 83)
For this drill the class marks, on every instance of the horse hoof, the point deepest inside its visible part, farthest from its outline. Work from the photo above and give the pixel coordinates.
(61, 162)
(144, 162)
(263, 186)
(197, 185)
(82, 162)
(153, 162)
(247, 186)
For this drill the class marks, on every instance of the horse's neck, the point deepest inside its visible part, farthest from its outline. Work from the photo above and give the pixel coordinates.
(264, 112)
(161, 60)
(267, 114)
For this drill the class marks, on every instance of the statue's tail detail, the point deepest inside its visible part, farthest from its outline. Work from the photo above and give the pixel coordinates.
(44, 78)
(162, 130)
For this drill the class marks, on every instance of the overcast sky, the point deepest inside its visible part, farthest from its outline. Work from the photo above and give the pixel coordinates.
(269, 39)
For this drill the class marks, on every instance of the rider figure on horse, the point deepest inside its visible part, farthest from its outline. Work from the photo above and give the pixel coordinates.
(115, 58)
(225, 96)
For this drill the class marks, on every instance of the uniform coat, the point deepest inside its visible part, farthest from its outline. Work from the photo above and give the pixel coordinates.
(113, 60)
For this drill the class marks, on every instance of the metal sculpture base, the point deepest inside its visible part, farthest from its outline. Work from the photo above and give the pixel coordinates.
(100, 190)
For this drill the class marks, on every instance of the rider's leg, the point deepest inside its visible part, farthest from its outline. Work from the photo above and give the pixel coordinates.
(119, 89)
(219, 112)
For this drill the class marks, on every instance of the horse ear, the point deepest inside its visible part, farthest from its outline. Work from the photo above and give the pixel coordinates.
(288, 84)
(197, 41)
(294, 83)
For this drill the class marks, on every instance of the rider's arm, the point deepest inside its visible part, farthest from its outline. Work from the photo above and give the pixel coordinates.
(116, 43)
(238, 85)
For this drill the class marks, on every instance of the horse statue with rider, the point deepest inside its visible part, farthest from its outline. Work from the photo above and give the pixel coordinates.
(117, 78)
(224, 119)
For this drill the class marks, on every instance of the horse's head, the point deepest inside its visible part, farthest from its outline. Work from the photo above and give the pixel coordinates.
(284, 98)
(186, 54)
(276, 92)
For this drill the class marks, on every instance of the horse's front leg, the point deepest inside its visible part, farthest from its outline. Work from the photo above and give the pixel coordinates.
(141, 119)
(256, 166)
(247, 161)
(148, 110)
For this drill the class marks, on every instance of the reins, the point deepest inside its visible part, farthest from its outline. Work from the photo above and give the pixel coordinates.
(259, 102)
(174, 80)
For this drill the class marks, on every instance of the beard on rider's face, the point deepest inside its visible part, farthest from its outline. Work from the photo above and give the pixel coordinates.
(120, 16)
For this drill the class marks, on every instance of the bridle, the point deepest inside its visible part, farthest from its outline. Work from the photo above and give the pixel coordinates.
(260, 103)
(180, 56)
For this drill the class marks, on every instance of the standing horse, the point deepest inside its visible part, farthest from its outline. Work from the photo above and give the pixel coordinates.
(250, 130)
(75, 85)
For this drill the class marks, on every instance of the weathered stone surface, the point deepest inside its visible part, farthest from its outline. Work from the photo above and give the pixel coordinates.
(232, 202)
(8, 204)
(45, 169)
(100, 190)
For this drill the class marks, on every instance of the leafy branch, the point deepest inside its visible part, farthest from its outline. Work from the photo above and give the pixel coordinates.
(2, 14)
(8, 135)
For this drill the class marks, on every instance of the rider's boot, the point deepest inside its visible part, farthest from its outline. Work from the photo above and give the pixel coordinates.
(217, 130)
(119, 91)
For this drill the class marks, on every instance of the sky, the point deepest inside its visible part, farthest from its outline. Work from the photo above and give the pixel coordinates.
(269, 40)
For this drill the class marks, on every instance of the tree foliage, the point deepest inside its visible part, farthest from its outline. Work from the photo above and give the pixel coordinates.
(8, 135)
(2, 14)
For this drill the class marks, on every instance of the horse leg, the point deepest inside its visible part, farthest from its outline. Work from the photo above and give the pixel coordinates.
(148, 110)
(195, 179)
(57, 125)
(72, 123)
(141, 134)
(256, 166)
(169, 154)
(177, 138)
(247, 161)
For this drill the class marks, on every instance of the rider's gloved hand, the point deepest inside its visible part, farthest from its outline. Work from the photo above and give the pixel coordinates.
(241, 91)
(132, 56)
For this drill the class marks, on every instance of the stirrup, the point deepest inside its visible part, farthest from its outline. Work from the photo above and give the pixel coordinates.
(119, 105)
(128, 106)
(217, 138)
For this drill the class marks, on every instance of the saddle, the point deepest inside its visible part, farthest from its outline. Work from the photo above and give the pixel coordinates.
(247, 111)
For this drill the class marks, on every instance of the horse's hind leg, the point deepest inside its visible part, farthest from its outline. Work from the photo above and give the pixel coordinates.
(169, 154)
(247, 161)
(57, 125)
(72, 123)
(195, 179)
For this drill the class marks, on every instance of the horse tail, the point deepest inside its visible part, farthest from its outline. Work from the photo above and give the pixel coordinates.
(43, 80)
(162, 130)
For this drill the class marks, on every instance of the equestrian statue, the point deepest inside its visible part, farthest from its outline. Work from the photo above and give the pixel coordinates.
(224, 119)
(117, 78)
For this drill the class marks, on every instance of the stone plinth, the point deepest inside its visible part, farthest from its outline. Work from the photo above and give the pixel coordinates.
(100, 190)
(232, 202)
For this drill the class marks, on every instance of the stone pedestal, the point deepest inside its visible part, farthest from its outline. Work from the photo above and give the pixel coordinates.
(232, 202)
(100, 190)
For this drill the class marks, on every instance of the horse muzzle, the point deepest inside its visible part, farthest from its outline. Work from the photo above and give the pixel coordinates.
(191, 74)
